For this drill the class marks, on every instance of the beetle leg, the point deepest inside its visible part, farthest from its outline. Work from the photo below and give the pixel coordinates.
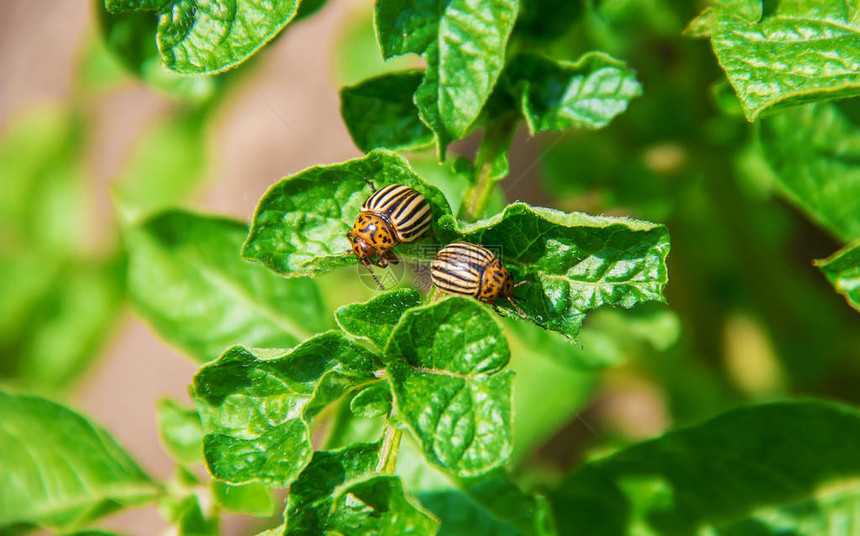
(521, 283)
(370, 183)
(350, 250)
(391, 257)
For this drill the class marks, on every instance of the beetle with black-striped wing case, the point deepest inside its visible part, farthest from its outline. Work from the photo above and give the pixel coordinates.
(395, 214)
(471, 270)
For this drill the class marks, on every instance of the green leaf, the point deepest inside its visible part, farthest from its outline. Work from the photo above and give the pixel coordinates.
(546, 389)
(203, 37)
(43, 195)
(340, 493)
(557, 95)
(128, 37)
(57, 302)
(488, 505)
(167, 166)
(714, 473)
(373, 402)
(842, 269)
(375, 319)
(58, 469)
(701, 26)
(449, 390)
(188, 517)
(71, 317)
(180, 431)
(834, 512)
(463, 42)
(805, 51)
(253, 499)
(379, 506)
(98, 71)
(573, 262)
(499, 496)
(813, 151)
(300, 224)
(379, 112)
(186, 278)
(257, 406)
(458, 515)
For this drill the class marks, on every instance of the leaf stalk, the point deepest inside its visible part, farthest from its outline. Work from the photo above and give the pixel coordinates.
(495, 143)
(389, 450)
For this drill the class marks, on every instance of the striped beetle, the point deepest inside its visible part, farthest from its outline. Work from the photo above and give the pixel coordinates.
(396, 214)
(470, 270)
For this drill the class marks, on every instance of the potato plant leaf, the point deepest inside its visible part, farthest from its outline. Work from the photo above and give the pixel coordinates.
(71, 309)
(180, 431)
(504, 500)
(128, 38)
(573, 262)
(375, 401)
(842, 269)
(557, 95)
(751, 458)
(253, 498)
(379, 112)
(300, 224)
(375, 319)
(57, 304)
(804, 51)
(448, 387)
(340, 493)
(379, 505)
(546, 387)
(483, 506)
(832, 512)
(43, 195)
(210, 36)
(257, 406)
(463, 42)
(186, 278)
(814, 151)
(187, 516)
(60, 470)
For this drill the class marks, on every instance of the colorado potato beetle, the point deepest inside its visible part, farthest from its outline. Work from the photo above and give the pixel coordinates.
(470, 270)
(395, 214)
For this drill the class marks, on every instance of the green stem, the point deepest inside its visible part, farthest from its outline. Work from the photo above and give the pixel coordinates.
(496, 141)
(388, 453)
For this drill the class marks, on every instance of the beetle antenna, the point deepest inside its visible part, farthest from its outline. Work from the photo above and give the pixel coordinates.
(373, 275)
(370, 183)
(521, 283)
